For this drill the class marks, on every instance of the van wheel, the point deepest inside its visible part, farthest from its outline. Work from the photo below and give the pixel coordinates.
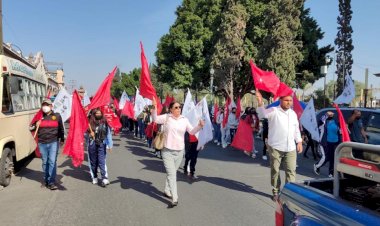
(6, 167)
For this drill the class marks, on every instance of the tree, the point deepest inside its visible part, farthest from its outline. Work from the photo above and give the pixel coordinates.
(344, 44)
(281, 49)
(308, 71)
(229, 49)
(127, 83)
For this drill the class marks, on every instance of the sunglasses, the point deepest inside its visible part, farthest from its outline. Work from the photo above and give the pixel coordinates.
(177, 107)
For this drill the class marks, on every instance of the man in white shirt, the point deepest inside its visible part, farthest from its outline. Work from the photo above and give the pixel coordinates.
(283, 134)
(232, 124)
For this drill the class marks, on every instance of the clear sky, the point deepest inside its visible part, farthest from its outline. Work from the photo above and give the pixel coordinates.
(90, 37)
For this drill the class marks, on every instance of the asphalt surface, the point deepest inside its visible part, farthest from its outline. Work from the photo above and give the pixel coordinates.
(232, 189)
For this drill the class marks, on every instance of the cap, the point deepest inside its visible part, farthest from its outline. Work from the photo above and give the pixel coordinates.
(47, 101)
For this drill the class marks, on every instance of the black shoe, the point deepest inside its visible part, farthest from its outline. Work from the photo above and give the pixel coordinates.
(52, 187)
(166, 195)
(173, 204)
(275, 198)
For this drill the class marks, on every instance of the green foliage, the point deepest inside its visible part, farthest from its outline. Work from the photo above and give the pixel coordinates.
(229, 49)
(344, 44)
(127, 83)
(226, 34)
(314, 57)
(321, 100)
(281, 49)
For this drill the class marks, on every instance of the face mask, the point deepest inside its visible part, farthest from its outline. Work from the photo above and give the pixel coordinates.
(46, 109)
(233, 112)
(329, 118)
(98, 117)
(359, 117)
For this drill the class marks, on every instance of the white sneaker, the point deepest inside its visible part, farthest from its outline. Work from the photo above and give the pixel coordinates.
(331, 176)
(95, 181)
(215, 141)
(105, 181)
(265, 157)
(224, 146)
(253, 155)
(255, 151)
(218, 144)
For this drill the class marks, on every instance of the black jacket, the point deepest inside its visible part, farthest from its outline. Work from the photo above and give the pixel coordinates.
(51, 129)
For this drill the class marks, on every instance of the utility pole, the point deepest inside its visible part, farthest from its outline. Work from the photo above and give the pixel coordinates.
(366, 88)
(1, 28)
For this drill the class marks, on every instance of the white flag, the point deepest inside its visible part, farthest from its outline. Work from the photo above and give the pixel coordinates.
(62, 104)
(205, 135)
(123, 99)
(139, 104)
(194, 115)
(148, 101)
(188, 105)
(348, 93)
(309, 120)
(85, 100)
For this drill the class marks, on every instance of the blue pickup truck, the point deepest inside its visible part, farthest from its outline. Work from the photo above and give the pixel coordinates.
(351, 197)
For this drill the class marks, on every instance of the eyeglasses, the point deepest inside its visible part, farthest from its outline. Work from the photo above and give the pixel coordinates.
(177, 107)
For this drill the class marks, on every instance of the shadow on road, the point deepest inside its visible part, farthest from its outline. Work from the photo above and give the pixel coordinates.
(142, 186)
(153, 165)
(232, 184)
(79, 173)
(39, 177)
(137, 150)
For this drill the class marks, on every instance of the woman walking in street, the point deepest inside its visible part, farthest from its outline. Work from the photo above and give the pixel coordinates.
(100, 140)
(175, 126)
(191, 156)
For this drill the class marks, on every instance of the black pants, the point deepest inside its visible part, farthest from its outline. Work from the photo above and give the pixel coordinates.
(191, 155)
(136, 125)
(310, 144)
(265, 136)
(328, 156)
(232, 134)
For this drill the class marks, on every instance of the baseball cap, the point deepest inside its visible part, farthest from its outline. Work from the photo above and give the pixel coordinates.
(47, 101)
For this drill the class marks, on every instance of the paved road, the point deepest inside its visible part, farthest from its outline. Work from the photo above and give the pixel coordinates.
(232, 189)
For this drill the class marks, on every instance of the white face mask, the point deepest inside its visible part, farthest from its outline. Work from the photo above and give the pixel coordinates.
(46, 109)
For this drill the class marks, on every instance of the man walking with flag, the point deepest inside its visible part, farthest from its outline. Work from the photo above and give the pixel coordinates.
(283, 134)
(49, 129)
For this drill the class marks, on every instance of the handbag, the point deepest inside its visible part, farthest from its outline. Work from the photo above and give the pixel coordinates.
(159, 141)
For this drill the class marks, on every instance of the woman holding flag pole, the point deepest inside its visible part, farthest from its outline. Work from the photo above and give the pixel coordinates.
(175, 126)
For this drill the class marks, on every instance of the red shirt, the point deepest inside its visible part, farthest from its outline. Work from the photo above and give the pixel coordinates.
(193, 139)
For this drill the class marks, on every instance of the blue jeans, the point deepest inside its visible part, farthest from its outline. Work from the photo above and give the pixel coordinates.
(49, 153)
(97, 154)
(141, 127)
(217, 133)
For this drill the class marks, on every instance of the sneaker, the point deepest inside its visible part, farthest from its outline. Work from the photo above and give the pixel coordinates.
(193, 177)
(105, 182)
(224, 146)
(215, 141)
(316, 170)
(265, 157)
(331, 176)
(255, 151)
(253, 155)
(218, 144)
(247, 153)
(52, 187)
(95, 181)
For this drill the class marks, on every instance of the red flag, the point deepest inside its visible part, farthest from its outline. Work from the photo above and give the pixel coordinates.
(112, 119)
(115, 103)
(48, 94)
(168, 100)
(243, 139)
(297, 108)
(343, 126)
(103, 95)
(147, 89)
(264, 80)
(128, 110)
(215, 111)
(238, 108)
(226, 111)
(283, 90)
(78, 125)
(38, 116)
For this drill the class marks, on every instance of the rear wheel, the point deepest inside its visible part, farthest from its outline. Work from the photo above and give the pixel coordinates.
(6, 167)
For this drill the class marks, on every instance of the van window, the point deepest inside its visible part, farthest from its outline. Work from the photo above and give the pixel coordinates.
(6, 105)
(374, 121)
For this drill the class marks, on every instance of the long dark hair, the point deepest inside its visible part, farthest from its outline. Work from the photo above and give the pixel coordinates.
(94, 122)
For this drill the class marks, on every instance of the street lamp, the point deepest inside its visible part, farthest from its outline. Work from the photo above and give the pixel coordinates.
(324, 72)
(212, 71)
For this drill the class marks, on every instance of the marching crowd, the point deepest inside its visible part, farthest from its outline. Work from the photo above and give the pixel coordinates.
(166, 134)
